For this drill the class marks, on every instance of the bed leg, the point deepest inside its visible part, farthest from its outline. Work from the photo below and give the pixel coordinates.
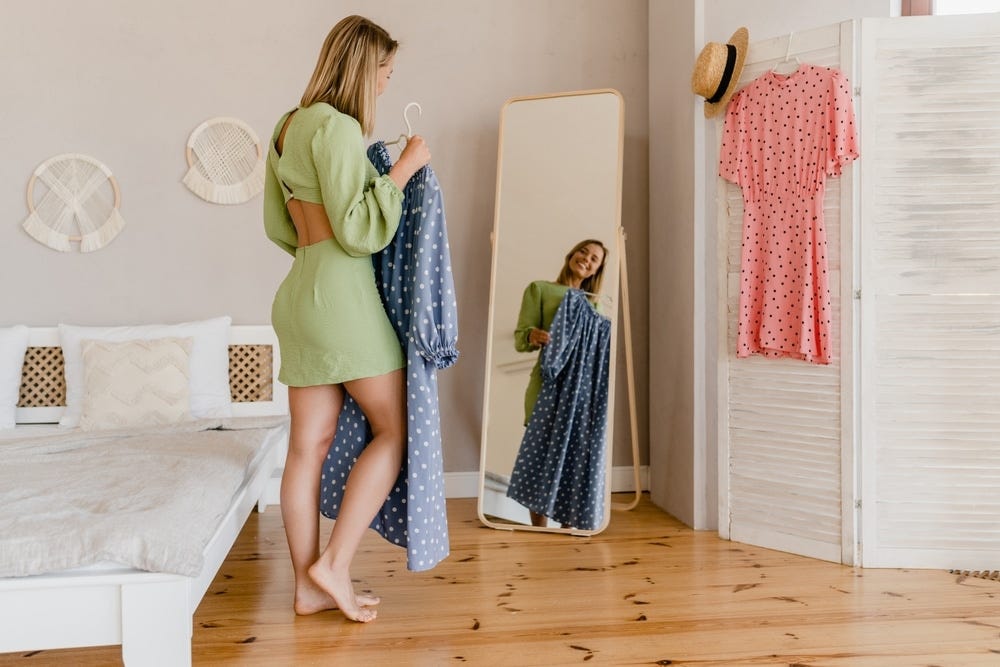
(156, 624)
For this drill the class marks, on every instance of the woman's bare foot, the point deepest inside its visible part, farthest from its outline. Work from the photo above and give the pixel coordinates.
(311, 600)
(338, 586)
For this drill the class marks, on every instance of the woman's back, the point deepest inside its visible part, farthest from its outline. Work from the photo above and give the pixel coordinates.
(311, 223)
(298, 171)
(317, 157)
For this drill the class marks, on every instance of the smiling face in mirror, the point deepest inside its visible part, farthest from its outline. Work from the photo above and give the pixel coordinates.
(584, 266)
(549, 372)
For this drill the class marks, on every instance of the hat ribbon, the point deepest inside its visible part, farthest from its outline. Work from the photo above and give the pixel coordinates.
(727, 74)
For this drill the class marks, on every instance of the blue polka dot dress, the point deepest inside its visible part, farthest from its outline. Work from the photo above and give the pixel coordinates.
(560, 468)
(418, 292)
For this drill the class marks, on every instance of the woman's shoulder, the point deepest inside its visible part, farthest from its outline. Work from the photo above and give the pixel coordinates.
(319, 119)
(324, 117)
(546, 289)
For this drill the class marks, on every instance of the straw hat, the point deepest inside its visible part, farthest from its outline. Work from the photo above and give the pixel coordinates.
(717, 71)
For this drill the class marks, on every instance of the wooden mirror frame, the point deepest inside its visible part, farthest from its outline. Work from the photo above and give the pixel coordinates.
(615, 268)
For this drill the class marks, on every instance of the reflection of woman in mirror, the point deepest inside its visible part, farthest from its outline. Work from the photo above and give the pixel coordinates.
(582, 269)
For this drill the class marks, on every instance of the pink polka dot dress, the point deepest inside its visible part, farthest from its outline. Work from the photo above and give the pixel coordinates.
(784, 134)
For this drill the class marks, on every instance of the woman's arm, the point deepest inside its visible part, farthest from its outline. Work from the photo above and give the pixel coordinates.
(364, 209)
(529, 320)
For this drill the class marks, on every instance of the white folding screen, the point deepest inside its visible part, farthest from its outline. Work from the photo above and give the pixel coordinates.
(930, 292)
(921, 361)
(785, 426)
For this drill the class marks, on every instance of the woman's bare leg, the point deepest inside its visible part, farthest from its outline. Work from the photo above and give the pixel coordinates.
(314, 412)
(382, 399)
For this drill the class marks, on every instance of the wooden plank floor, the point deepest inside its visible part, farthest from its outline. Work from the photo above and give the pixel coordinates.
(647, 591)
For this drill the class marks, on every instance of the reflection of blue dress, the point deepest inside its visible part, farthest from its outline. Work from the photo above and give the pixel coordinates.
(418, 292)
(560, 468)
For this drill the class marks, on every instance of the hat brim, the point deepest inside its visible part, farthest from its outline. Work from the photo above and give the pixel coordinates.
(741, 40)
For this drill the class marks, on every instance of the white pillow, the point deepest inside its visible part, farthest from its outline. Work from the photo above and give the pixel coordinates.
(210, 393)
(13, 343)
(135, 383)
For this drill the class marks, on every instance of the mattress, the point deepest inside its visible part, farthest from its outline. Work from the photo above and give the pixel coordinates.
(149, 499)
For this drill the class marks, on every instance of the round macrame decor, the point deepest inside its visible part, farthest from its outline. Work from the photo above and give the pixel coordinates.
(80, 203)
(225, 162)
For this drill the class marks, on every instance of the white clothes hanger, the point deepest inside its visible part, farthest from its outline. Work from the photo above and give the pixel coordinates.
(406, 119)
(790, 62)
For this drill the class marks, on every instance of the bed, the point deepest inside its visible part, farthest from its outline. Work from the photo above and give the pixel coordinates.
(99, 600)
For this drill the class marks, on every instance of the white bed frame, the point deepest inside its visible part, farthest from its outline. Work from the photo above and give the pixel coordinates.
(149, 614)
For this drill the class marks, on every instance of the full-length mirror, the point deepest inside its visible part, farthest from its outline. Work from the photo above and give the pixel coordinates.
(550, 361)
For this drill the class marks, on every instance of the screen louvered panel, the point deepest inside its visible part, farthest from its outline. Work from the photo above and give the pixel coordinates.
(931, 294)
(783, 417)
(785, 442)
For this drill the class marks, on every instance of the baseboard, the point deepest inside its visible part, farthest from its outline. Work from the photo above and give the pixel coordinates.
(461, 484)
(466, 484)
(623, 479)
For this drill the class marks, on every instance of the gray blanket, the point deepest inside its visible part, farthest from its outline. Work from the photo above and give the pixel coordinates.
(145, 498)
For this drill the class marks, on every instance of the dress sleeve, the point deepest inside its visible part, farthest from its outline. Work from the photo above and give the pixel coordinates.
(843, 146)
(529, 318)
(733, 139)
(364, 208)
(434, 322)
(278, 223)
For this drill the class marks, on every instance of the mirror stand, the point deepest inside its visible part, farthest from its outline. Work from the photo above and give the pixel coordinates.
(630, 379)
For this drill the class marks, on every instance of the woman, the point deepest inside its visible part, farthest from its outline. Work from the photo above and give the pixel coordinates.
(325, 204)
(582, 269)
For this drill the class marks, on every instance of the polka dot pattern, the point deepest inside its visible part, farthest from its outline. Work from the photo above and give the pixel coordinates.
(560, 468)
(418, 292)
(784, 135)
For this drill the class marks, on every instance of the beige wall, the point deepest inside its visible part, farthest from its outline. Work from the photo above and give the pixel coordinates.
(127, 81)
(672, 258)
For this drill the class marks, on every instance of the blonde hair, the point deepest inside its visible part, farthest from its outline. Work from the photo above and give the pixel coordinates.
(593, 283)
(346, 74)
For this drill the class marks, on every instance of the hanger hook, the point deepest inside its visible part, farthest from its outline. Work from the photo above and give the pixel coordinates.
(406, 116)
(788, 47)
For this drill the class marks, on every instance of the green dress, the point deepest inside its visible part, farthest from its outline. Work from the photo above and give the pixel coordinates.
(539, 303)
(327, 313)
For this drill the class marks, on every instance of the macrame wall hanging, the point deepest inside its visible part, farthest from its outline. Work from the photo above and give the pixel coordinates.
(81, 204)
(225, 162)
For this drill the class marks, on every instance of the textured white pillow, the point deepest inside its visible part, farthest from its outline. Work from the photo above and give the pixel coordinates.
(210, 393)
(135, 383)
(13, 343)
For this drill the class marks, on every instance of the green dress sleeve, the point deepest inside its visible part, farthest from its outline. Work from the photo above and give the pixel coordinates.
(364, 208)
(278, 223)
(530, 317)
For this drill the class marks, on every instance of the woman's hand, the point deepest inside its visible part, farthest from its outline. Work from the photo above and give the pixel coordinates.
(415, 155)
(538, 337)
